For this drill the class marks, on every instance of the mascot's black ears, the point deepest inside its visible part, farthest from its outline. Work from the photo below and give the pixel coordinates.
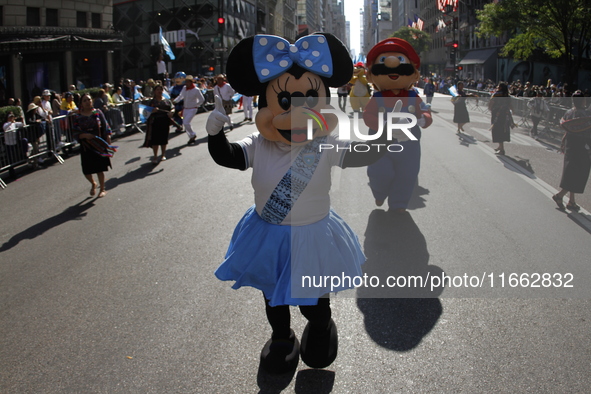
(243, 78)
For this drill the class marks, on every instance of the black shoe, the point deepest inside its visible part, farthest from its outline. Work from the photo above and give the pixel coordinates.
(281, 355)
(319, 347)
(558, 201)
(192, 140)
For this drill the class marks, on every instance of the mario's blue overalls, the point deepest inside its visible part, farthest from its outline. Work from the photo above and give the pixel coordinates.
(394, 176)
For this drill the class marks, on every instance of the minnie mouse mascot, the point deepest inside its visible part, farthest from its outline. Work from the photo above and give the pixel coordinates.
(291, 232)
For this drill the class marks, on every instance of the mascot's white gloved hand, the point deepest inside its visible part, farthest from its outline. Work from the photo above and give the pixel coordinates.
(217, 118)
(397, 133)
(422, 121)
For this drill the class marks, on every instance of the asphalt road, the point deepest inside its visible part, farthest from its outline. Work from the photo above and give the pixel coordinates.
(117, 295)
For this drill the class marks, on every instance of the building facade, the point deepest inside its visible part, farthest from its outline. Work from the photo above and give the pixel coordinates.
(201, 33)
(52, 44)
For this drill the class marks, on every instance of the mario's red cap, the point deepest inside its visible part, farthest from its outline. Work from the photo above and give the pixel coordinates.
(393, 44)
(359, 64)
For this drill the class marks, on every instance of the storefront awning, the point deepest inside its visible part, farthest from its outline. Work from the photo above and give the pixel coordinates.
(479, 56)
(36, 39)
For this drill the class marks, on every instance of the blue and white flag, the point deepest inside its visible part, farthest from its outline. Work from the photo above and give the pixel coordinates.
(144, 112)
(453, 91)
(166, 46)
(165, 94)
(236, 97)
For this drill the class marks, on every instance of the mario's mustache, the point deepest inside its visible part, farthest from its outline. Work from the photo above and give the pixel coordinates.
(382, 69)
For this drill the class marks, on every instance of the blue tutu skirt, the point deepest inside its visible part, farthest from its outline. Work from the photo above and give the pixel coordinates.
(292, 265)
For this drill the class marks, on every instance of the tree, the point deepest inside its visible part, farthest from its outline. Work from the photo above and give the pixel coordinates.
(419, 39)
(559, 28)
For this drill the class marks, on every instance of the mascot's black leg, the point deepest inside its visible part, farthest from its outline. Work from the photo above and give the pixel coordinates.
(281, 353)
(319, 340)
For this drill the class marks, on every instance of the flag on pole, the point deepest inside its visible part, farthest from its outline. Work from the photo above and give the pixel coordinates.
(144, 112)
(420, 24)
(166, 46)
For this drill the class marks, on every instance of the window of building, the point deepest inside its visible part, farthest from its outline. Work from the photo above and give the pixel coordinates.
(51, 18)
(33, 16)
(81, 19)
(96, 20)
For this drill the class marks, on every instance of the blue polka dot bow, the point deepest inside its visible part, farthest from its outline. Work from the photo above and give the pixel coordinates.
(274, 55)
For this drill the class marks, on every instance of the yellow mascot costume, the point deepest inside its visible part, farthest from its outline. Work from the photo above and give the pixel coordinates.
(360, 91)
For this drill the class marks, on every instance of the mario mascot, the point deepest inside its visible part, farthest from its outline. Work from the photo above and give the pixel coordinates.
(393, 68)
(179, 84)
(290, 234)
(360, 92)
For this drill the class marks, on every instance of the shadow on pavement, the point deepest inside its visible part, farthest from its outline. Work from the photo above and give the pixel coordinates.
(317, 381)
(139, 173)
(510, 162)
(271, 384)
(75, 212)
(466, 139)
(416, 200)
(398, 317)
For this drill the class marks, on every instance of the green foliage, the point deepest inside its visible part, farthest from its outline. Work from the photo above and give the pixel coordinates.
(5, 110)
(419, 39)
(92, 91)
(560, 28)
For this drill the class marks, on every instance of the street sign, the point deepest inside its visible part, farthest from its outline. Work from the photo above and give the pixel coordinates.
(221, 49)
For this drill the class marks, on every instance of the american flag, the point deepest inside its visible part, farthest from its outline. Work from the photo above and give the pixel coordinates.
(441, 4)
(420, 23)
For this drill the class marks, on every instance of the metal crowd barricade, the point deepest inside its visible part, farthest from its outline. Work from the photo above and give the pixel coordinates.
(116, 118)
(479, 103)
(63, 136)
(27, 145)
(32, 142)
(550, 120)
(130, 112)
(128, 115)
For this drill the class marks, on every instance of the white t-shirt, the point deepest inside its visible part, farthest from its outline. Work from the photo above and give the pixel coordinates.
(225, 92)
(160, 67)
(270, 161)
(10, 129)
(46, 105)
(193, 97)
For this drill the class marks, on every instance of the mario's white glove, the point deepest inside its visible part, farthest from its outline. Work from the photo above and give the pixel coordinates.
(422, 121)
(397, 133)
(217, 118)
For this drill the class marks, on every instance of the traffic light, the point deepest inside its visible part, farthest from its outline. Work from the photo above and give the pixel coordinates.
(221, 21)
(460, 68)
(211, 68)
(455, 44)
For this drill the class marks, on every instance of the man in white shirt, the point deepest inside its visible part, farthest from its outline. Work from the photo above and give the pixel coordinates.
(46, 105)
(161, 67)
(193, 100)
(225, 92)
(46, 113)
